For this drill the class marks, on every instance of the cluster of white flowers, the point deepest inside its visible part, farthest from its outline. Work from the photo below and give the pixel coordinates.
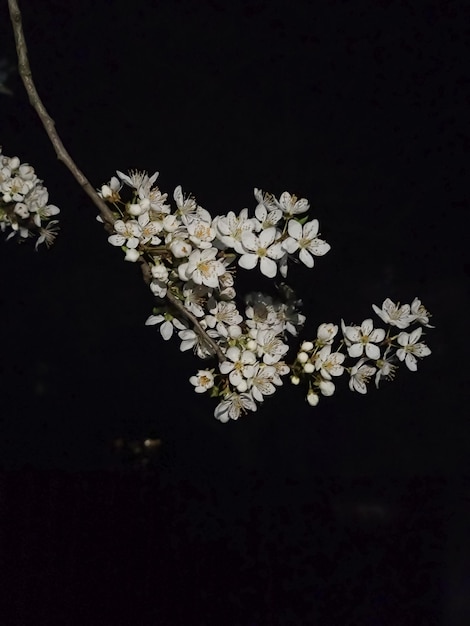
(377, 351)
(191, 256)
(24, 208)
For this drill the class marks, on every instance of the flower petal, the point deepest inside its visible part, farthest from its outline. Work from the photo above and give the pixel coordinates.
(306, 257)
(268, 267)
(294, 229)
(248, 261)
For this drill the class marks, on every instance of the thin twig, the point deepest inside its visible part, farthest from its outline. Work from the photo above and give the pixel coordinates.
(179, 306)
(48, 123)
(24, 70)
(199, 329)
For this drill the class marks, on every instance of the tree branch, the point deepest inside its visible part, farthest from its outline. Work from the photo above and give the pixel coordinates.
(48, 123)
(63, 155)
(197, 326)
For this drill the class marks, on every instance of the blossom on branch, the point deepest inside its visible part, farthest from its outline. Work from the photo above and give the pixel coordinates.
(24, 203)
(186, 258)
(190, 257)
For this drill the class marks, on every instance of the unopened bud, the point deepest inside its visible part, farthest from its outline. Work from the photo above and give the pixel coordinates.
(327, 387)
(313, 398)
(251, 345)
(135, 209)
(132, 255)
(302, 357)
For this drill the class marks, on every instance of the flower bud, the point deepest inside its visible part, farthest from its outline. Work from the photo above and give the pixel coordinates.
(132, 255)
(159, 271)
(234, 331)
(327, 387)
(326, 333)
(227, 294)
(302, 357)
(313, 398)
(170, 223)
(106, 191)
(135, 209)
(309, 368)
(180, 248)
(22, 210)
(295, 380)
(307, 346)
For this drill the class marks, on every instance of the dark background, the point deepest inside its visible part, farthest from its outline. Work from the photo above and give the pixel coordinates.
(351, 513)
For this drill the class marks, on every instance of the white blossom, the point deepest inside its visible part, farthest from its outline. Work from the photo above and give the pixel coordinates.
(326, 334)
(48, 233)
(191, 339)
(127, 234)
(233, 405)
(186, 206)
(360, 339)
(420, 314)
(191, 254)
(231, 227)
(385, 368)
(261, 383)
(138, 180)
(110, 192)
(304, 238)
(394, 314)
(202, 381)
(153, 200)
(226, 319)
(149, 229)
(240, 365)
(329, 363)
(412, 348)
(266, 219)
(203, 267)
(24, 203)
(180, 248)
(266, 199)
(291, 205)
(261, 247)
(360, 375)
(270, 347)
(168, 325)
(195, 297)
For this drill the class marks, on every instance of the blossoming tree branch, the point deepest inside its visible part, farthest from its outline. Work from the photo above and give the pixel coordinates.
(189, 261)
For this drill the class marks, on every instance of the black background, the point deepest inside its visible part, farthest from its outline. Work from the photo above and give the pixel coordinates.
(350, 513)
